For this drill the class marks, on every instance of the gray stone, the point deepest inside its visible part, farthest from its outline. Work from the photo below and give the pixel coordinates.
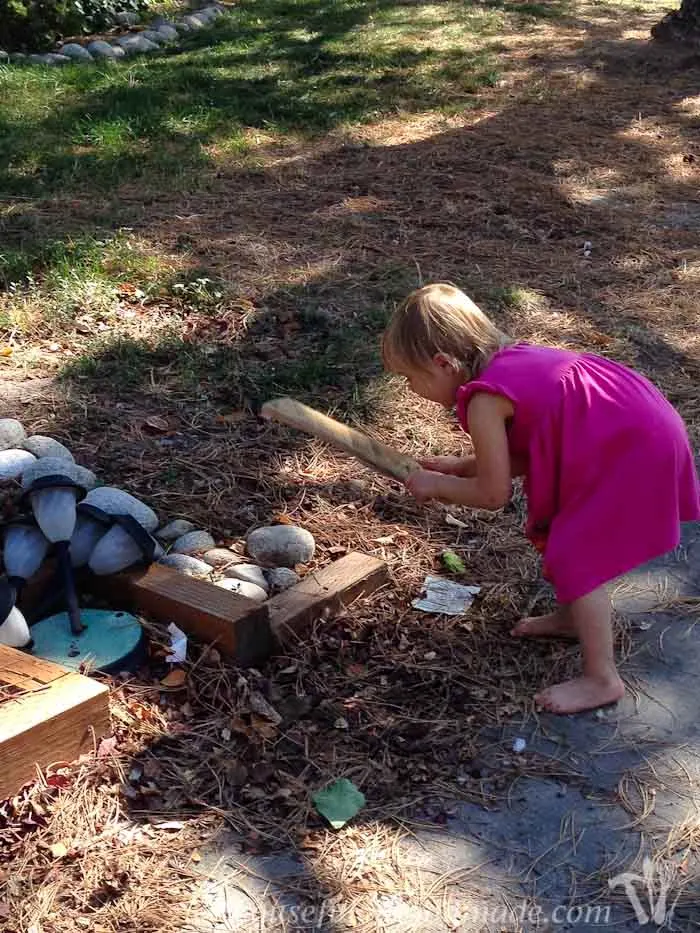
(153, 35)
(118, 51)
(136, 44)
(221, 558)
(49, 58)
(115, 501)
(77, 52)
(207, 14)
(126, 18)
(12, 434)
(186, 564)
(42, 446)
(281, 578)
(194, 21)
(168, 32)
(193, 542)
(250, 573)
(243, 588)
(175, 529)
(13, 463)
(281, 545)
(18, 57)
(4, 57)
(58, 466)
(101, 49)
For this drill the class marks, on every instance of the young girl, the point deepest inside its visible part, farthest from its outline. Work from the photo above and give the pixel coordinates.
(609, 474)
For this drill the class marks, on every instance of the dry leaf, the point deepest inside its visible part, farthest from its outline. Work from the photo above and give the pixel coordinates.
(175, 679)
(196, 856)
(259, 705)
(387, 539)
(156, 423)
(107, 747)
(283, 519)
(232, 417)
(58, 850)
(170, 825)
(263, 727)
(6, 351)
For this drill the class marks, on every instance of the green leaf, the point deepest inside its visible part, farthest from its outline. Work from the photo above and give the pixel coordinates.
(453, 562)
(339, 802)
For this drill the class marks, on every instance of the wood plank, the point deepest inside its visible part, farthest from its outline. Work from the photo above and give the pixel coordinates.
(57, 722)
(238, 626)
(294, 611)
(27, 666)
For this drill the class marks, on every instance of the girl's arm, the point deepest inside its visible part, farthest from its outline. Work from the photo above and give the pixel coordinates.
(490, 487)
(453, 466)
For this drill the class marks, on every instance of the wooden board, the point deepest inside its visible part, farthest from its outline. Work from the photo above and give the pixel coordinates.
(294, 611)
(238, 626)
(55, 715)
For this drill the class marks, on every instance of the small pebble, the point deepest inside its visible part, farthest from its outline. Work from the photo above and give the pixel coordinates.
(168, 32)
(14, 462)
(250, 573)
(281, 578)
(42, 446)
(243, 588)
(193, 542)
(75, 51)
(12, 434)
(101, 49)
(175, 529)
(221, 558)
(519, 745)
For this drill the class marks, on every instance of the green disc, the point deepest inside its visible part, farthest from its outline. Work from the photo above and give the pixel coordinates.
(112, 641)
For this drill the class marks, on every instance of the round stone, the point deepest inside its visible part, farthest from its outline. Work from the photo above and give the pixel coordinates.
(193, 542)
(118, 51)
(281, 578)
(4, 57)
(12, 434)
(58, 466)
(42, 446)
(192, 566)
(126, 18)
(243, 588)
(136, 44)
(115, 501)
(13, 463)
(175, 529)
(281, 545)
(75, 51)
(18, 57)
(153, 36)
(168, 32)
(101, 49)
(250, 573)
(194, 21)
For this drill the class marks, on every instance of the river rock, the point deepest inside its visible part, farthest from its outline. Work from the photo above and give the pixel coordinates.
(58, 466)
(175, 529)
(42, 446)
(281, 578)
(13, 463)
(193, 21)
(126, 18)
(135, 44)
(116, 501)
(168, 32)
(250, 573)
(101, 49)
(12, 434)
(193, 542)
(221, 558)
(243, 588)
(153, 36)
(4, 57)
(281, 545)
(75, 51)
(192, 566)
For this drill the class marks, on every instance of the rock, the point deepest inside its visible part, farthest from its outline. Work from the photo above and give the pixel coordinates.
(168, 32)
(175, 529)
(77, 52)
(281, 545)
(14, 462)
(118, 51)
(193, 542)
(18, 57)
(186, 564)
(42, 446)
(4, 57)
(250, 573)
(243, 588)
(115, 501)
(207, 14)
(58, 466)
(221, 558)
(136, 44)
(101, 49)
(126, 18)
(153, 35)
(193, 21)
(281, 578)
(49, 58)
(12, 434)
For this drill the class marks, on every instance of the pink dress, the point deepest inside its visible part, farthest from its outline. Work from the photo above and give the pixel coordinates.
(609, 473)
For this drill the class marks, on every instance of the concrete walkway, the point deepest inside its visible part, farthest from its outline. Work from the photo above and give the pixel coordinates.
(542, 860)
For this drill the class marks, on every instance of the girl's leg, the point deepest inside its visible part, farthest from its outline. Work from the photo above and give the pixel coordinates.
(600, 684)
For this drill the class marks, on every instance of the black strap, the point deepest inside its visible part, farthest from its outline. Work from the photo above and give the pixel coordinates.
(92, 511)
(143, 539)
(53, 482)
(8, 596)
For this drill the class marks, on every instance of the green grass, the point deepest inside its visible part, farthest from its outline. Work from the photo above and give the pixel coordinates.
(284, 66)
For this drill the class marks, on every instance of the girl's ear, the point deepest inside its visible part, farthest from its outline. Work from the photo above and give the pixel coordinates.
(442, 361)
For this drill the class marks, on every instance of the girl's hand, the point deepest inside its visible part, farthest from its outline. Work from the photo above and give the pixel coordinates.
(423, 484)
(452, 466)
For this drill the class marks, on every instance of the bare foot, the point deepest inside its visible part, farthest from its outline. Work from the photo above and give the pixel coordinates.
(574, 696)
(557, 624)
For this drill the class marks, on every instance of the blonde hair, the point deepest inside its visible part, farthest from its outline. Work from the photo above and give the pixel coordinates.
(440, 318)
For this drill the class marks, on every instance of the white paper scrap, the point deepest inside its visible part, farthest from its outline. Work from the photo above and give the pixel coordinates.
(178, 645)
(443, 597)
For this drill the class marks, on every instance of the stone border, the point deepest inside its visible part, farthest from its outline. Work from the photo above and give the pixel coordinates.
(159, 33)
